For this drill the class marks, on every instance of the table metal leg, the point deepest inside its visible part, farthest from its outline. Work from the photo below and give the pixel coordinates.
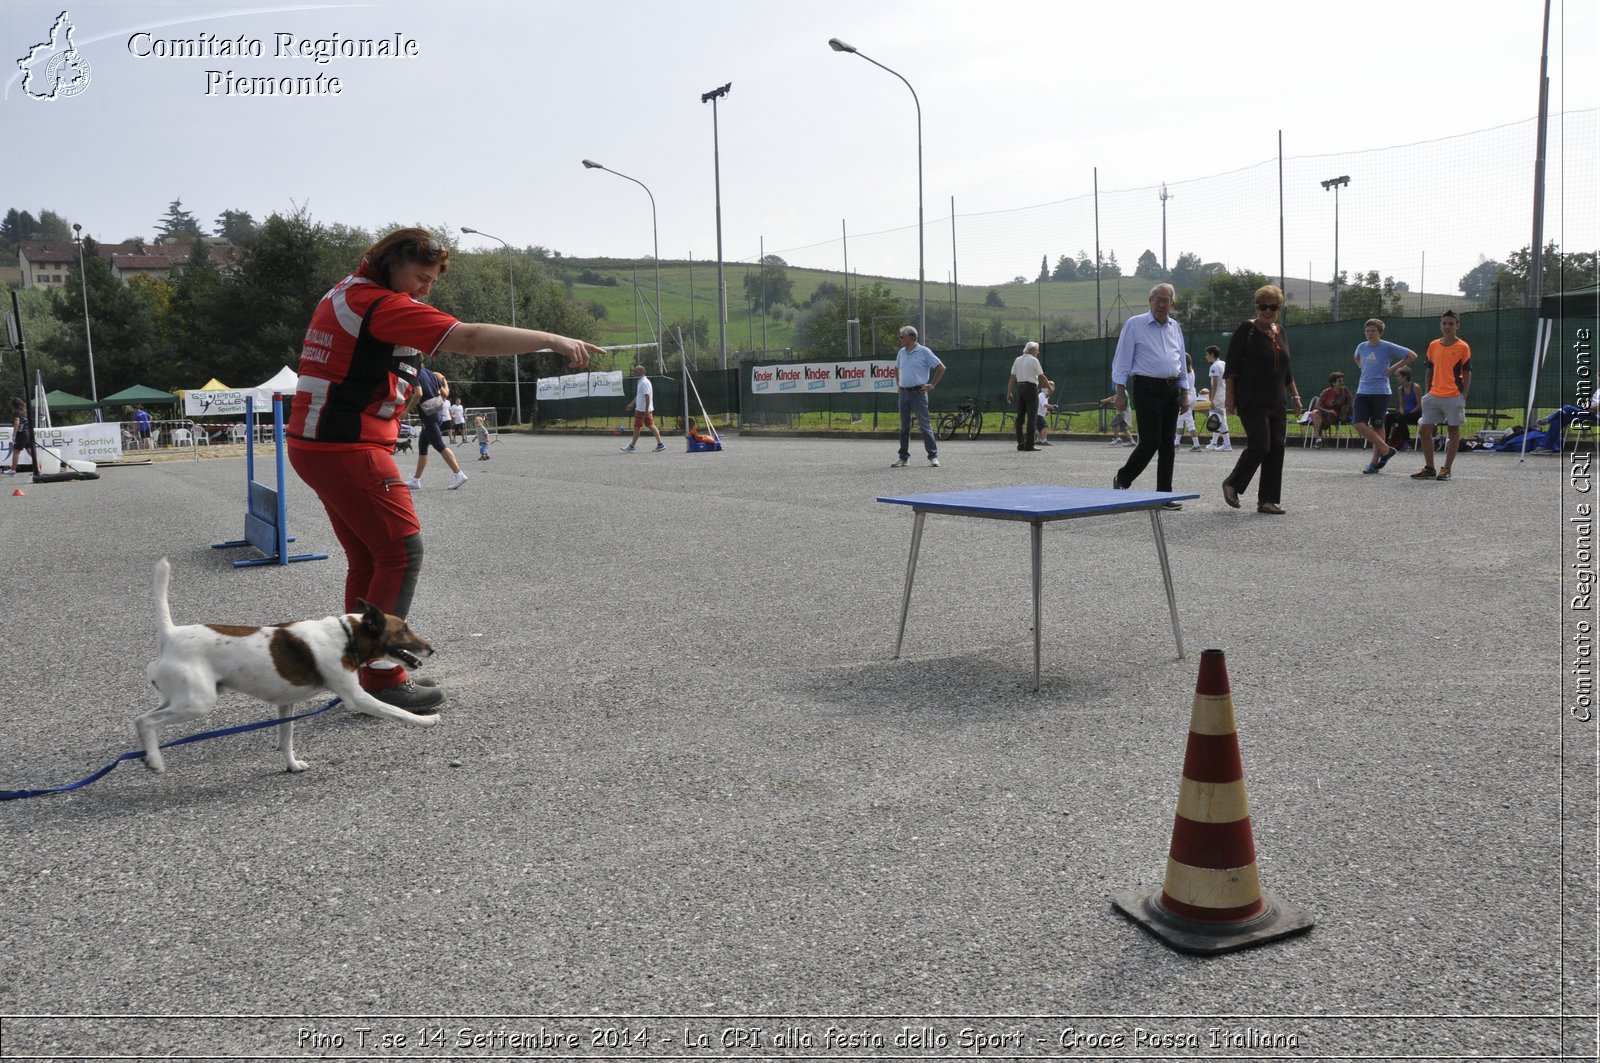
(1038, 581)
(911, 574)
(1166, 578)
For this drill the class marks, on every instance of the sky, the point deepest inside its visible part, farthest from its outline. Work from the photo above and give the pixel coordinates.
(485, 119)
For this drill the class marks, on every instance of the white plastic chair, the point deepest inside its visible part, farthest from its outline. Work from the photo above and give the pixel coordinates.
(180, 437)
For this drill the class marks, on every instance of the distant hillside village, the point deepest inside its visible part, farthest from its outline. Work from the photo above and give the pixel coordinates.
(45, 264)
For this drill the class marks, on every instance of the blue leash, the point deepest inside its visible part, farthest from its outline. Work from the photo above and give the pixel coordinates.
(138, 754)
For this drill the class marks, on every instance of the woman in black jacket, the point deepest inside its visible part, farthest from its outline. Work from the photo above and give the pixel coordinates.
(1259, 385)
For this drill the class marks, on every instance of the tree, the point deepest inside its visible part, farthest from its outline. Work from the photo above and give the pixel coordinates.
(1366, 296)
(769, 285)
(1224, 300)
(993, 299)
(53, 227)
(824, 290)
(123, 326)
(1044, 269)
(1066, 269)
(236, 226)
(1149, 268)
(1190, 272)
(820, 331)
(1562, 272)
(1109, 266)
(176, 223)
(1085, 266)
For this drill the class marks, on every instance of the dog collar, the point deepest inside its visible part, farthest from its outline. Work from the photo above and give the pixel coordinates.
(349, 641)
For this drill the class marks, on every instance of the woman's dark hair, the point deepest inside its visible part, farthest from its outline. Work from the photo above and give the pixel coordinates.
(401, 247)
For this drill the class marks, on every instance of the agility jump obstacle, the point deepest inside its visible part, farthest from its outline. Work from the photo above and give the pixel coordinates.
(266, 517)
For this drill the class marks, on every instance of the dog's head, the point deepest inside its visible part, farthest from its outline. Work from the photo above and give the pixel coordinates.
(379, 634)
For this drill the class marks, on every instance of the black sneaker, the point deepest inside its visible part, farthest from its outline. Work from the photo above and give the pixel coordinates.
(411, 697)
(1427, 473)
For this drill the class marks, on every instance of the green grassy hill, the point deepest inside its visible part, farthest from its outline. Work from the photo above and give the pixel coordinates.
(1066, 310)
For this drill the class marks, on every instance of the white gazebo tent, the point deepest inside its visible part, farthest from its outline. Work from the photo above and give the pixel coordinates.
(283, 382)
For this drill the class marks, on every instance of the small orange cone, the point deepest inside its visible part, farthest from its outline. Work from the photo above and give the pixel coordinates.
(1212, 901)
(17, 493)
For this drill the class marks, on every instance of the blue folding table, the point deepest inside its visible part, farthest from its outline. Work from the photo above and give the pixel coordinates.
(1037, 505)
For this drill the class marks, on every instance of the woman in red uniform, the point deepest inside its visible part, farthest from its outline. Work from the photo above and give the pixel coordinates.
(366, 340)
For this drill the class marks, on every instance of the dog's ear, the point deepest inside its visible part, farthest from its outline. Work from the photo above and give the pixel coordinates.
(372, 618)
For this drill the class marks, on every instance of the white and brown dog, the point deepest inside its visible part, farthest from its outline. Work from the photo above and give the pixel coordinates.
(281, 664)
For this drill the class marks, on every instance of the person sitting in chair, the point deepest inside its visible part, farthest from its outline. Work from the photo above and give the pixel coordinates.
(1331, 408)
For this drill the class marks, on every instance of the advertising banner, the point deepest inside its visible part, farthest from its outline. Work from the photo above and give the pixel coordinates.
(228, 403)
(602, 385)
(86, 442)
(828, 378)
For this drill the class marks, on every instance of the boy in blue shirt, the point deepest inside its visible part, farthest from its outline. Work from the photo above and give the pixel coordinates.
(1376, 359)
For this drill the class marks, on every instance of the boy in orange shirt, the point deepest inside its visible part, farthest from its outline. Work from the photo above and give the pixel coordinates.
(1450, 363)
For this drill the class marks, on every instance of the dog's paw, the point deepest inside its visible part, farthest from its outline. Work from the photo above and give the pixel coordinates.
(295, 765)
(155, 764)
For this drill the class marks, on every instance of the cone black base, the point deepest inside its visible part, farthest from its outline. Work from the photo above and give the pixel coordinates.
(1210, 939)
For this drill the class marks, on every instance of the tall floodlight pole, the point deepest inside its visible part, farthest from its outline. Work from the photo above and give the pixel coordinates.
(83, 282)
(1165, 195)
(511, 281)
(655, 249)
(922, 290)
(1335, 183)
(716, 157)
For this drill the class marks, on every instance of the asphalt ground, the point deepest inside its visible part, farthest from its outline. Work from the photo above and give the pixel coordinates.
(681, 789)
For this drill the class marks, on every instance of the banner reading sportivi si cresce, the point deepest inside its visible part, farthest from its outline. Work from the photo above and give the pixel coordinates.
(827, 378)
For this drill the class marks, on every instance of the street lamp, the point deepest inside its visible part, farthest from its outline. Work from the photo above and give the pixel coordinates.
(83, 282)
(655, 244)
(511, 281)
(922, 296)
(716, 155)
(1335, 183)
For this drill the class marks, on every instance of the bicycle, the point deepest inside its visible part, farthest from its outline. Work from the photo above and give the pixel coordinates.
(968, 415)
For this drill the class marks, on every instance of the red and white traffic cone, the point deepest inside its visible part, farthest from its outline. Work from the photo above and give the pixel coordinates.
(1212, 900)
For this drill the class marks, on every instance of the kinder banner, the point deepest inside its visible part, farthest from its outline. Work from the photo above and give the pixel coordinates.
(228, 403)
(581, 386)
(827, 378)
(87, 442)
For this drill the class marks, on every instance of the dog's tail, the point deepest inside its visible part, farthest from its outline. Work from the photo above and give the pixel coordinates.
(163, 578)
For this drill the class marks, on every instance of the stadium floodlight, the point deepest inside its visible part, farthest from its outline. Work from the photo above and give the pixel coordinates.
(712, 97)
(655, 244)
(83, 281)
(1336, 183)
(511, 280)
(922, 293)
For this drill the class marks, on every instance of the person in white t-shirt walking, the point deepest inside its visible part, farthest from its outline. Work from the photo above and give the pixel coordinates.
(644, 411)
(458, 420)
(1219, 400)
(1023, 389)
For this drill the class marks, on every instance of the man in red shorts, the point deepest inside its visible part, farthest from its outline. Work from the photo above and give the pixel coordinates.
(644, 411)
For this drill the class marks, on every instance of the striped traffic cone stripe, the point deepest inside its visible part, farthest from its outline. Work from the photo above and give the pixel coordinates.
(1211, 899)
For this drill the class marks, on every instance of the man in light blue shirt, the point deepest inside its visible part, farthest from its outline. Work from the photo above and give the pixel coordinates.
(917, 371)
(1376, 358)
(1149, 363)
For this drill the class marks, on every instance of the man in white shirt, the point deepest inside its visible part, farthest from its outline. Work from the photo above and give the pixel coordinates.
(1023, 389)
(458, 420)
(1149, 363)
(644, 410)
